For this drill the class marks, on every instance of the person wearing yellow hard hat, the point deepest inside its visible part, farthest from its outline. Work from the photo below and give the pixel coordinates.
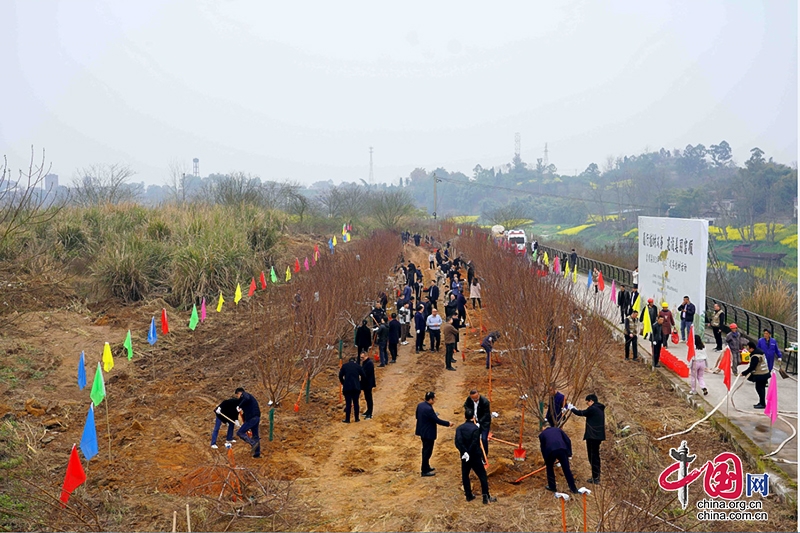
(669, 322)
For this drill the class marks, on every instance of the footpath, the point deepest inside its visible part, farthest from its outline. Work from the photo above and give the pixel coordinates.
(739, 411)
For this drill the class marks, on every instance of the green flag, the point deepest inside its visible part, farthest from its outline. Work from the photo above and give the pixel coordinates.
(128, 345)
(98, 387)
(272, 276)
(195, 319)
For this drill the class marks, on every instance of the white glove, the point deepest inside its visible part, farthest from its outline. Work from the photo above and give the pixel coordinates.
(237, 424)
(238, 408)
(563, 409)
(219, 410)
(570, 407)
(417, 332)
(495, 414)
(465, 457)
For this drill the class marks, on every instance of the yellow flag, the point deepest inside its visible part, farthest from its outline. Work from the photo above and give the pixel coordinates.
(334, 240)
(219, 304)
(108, 359)
(546, 260)
(289, 272)
(566, 270)
(637, 305)
(575, 274)
(648, 327)
(238, 294)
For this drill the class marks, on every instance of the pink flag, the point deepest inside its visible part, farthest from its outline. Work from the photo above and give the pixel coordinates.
(305, 263)
(557, 265)
(772, 399)
(614, 291)
(203, 310)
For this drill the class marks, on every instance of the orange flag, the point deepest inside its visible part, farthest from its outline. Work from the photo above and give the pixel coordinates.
(296, 265)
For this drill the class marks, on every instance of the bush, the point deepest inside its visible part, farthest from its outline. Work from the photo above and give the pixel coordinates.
(132, 270)
(775, 299)
(263, 235)
(71, 237)
(158, 230)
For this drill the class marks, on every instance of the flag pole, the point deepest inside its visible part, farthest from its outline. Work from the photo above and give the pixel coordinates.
(108, 428)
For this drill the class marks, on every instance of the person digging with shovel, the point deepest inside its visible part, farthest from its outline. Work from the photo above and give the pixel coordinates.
(251, 414)
(468, 442)
(225, 413)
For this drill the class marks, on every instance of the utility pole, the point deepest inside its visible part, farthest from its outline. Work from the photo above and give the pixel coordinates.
(434, 196)
(371, 174)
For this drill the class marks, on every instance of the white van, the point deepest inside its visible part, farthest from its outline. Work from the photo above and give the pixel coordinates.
(518, 240)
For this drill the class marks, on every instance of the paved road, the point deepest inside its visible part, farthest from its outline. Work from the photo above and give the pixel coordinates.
(754, 423)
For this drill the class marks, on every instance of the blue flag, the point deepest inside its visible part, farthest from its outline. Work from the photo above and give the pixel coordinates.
(81, 373)
(330, 244)
(152, 337)
(589, 284)
(89, 438)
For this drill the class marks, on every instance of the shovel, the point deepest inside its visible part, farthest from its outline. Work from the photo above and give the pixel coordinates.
(526, 476)
(297, 403)
(519, 452)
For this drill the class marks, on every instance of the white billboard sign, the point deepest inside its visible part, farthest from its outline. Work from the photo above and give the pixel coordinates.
(673, 259)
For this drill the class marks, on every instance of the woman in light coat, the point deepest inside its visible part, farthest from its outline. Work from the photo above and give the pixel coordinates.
(475, 293)
(699, 366)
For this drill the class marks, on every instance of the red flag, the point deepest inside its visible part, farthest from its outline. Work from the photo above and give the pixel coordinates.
(600, 283)
(726, 367)
(74, 477)
(690, 343)
(252, 290)
(316, 252)
(263, 281)
(164, 322)
(296, 265)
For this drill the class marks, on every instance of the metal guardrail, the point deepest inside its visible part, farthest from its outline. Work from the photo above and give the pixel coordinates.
(750, 324)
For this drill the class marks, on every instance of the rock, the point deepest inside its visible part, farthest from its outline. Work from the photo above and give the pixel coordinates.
(34, 408)
(137, 426)
(47, 439)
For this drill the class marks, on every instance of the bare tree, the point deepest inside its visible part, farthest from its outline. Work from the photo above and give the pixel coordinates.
(105, 184)
(510, 215)
(331, 201)
(390, 207)
(176, 181)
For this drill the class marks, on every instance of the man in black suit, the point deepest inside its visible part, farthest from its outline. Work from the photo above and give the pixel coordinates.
(594, 434)
(433, 294)
(368, 383)
(351, 376)
(483, 413)
(556, 446)
(426, 431)
(624, 303)
(468, 442)
(394, 337)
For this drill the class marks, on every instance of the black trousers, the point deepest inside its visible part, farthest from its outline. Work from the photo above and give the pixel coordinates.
(550, 461)
(622, 315)
(436, 337)
(485, 440)
(368, 399)
(434, 304)
(656, 352)
(479, 303)
(351, 402)
(427, 452)
(393, 350)
(593, 453)
(717, 337)
(448, 355)
(634, 343)
(761, 389)
(476, 465)
(420, 340)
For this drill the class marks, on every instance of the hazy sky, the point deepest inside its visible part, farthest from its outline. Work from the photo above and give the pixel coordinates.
(300, 90)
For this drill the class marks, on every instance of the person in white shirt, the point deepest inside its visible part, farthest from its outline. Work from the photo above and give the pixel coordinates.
(432, 260)
(434, 324)
(698, 365)
(635, 276)
(404, 317)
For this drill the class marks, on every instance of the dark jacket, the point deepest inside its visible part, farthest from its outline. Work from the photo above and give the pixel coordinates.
(553, 439)
(427, 420)
(419, 322)
(653, 311)
(573, 259)
(595, 421)
(631, 327)
(756, 357)
(451, 308)
(394, 331)
(383, 334)
(433, 292)
(688, 310)
(369, 374)
(554, 413)
(658, 334)
(407, 293)
(468, 440)
(624, 299)
(633, 297)
(462, 302)
(363, 337)
(669, 321)
(249, 406)
(484, 413)
(351, 375)
(378, 313)
(228, 408)
(486, 344)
